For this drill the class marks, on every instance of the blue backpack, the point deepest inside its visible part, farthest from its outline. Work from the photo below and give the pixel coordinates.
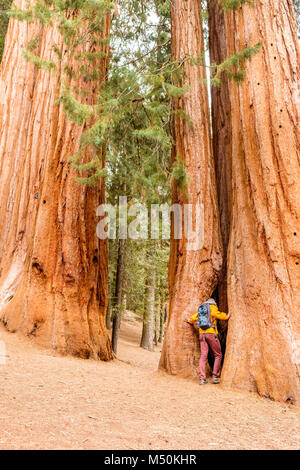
(204, 319)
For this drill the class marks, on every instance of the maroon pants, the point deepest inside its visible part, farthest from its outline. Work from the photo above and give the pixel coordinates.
(209, 340)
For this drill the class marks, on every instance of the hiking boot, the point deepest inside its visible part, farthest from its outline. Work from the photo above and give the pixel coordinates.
(203, 382)
(215, 380)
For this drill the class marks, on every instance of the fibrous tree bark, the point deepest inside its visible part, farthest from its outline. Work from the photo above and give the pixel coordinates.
(261, 150)
(53, 269)
(193, 274)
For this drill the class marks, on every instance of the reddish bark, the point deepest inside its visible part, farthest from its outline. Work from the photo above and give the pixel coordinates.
(264, 250)
(53, 270)
(193, 273)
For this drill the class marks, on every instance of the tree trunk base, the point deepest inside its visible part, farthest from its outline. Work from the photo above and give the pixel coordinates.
(58, 322)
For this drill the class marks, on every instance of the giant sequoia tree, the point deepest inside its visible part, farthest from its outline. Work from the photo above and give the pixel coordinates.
(256, 150)
(53, 270)
(193, 273)
(263, 198)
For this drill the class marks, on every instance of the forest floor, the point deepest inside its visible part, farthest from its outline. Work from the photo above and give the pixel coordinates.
(53, 402)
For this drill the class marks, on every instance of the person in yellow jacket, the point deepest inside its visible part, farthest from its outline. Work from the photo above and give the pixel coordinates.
(207, 316)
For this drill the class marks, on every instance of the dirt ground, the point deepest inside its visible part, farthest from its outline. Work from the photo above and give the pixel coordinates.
(52, 402)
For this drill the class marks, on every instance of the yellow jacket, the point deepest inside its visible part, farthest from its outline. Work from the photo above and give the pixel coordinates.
(214, 315)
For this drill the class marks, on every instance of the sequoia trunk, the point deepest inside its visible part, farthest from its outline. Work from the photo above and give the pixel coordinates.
(264, 250)
(4, 6)
(53, 270)
(193, 270)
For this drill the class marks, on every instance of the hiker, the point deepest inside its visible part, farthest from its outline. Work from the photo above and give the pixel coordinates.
(206, 319)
